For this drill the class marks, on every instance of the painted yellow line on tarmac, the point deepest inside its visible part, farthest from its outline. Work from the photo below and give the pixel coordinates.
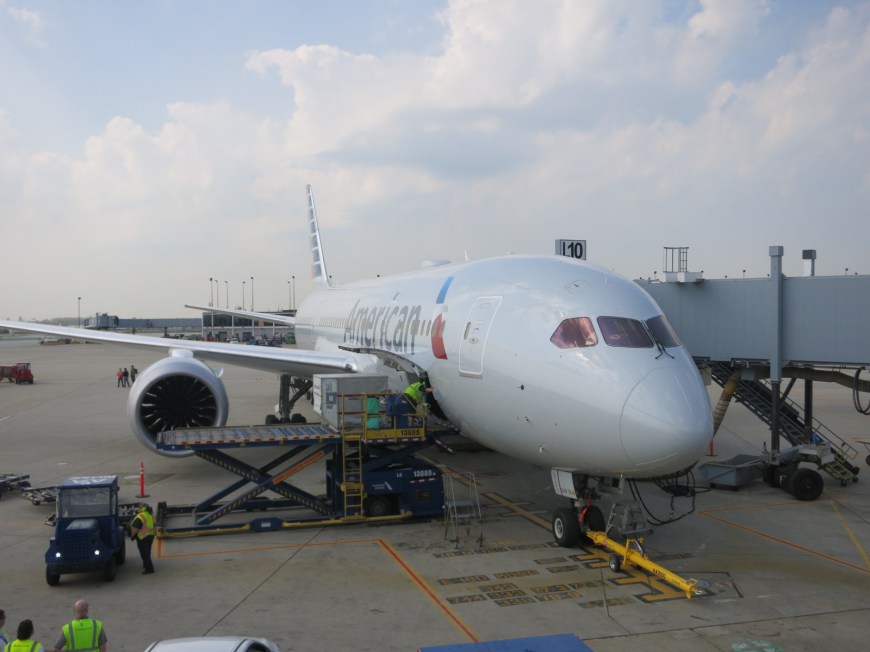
(526, 514)
(423, 586)
(852, 536)
(711, 515)
(406, 568)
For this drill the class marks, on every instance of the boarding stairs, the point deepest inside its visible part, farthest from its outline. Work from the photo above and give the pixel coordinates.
(462, 507)
(757, 397)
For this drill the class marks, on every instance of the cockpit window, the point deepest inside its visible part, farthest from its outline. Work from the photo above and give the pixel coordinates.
(621, 331)
(663, 331)
(577, 332)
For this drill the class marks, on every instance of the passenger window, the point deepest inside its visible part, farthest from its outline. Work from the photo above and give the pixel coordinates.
(663, 331)
(577, 332)
(621, 331)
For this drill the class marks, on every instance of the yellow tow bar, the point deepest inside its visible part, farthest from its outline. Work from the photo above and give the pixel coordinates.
(632, 553)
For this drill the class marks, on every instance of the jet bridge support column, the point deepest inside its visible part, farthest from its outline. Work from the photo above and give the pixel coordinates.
(776, 343)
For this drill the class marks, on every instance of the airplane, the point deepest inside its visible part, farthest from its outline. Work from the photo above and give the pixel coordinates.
(547, 359)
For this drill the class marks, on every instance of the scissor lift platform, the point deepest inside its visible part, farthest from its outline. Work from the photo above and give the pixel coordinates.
(358, 459)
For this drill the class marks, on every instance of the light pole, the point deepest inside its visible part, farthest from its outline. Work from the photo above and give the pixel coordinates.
(80, 312)
(289, 295)
(210, 292)
(228, 294)
(243, 295)
(252, 294)
(293, 307)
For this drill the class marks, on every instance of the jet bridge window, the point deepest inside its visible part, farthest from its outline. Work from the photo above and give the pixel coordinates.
(663, 331)
(621, 331)
(577, 332)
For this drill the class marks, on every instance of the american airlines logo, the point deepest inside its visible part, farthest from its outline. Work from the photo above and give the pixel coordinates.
(393, 328)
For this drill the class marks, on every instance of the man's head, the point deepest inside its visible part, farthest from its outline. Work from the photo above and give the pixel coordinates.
(81, 608)
(25, 630)
(145, 507)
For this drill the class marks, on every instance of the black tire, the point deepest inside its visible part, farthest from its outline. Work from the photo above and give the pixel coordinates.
(806, 484)
(566, 529)
(378, 506)
(786, 479)
(121, 555)
(296, 417)
(615, 563)
(594, 519)
(271, 420)
(110, 569)
(53, 579)
(868, 460)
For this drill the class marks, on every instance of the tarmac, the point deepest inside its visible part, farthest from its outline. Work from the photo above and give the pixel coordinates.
(779, 574)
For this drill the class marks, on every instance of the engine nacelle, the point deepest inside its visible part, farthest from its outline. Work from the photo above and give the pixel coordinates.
(176, 392)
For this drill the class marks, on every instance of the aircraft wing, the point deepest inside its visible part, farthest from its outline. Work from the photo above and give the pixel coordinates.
(270, 359)
(246, 314)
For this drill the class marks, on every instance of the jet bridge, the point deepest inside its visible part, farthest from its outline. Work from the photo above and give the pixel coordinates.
(750, 334)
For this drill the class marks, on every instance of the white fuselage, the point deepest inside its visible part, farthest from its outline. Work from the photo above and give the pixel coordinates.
(482, 332)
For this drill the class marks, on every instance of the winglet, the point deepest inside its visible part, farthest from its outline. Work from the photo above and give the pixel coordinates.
(318, 264)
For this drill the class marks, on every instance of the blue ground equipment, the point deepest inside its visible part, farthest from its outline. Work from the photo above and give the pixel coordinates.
(88, 534)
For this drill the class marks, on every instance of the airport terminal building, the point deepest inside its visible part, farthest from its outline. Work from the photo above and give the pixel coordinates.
(210, 326)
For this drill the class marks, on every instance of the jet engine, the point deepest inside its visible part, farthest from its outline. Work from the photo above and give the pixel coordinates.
(176, 392)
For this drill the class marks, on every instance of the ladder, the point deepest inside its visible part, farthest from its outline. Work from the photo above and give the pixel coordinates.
(757, 395)
(351, 430)
(462, 507)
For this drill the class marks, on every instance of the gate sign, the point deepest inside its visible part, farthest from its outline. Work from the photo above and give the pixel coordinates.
(571, 248)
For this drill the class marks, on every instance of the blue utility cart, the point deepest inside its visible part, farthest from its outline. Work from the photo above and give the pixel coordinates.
(88, 532)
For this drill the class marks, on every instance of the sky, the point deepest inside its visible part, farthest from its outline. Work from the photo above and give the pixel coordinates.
(148, 147)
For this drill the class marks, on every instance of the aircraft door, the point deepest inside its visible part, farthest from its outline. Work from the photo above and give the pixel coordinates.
(474, 336)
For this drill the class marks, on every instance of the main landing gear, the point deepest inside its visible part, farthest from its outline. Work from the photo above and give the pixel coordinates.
(301, 387)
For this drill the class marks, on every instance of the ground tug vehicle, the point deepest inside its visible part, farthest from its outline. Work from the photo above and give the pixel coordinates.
(17, 373)
(89, 532)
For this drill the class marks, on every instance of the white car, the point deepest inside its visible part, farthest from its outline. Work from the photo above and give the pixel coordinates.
(214, 644)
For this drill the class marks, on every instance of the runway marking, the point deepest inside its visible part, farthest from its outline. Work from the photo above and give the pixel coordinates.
(464, 580)
(521, 573)
(497, 595)
(418, 581)
(610, 602)
(852, 536)
(711, 515)
(513, 602)
(552, 597)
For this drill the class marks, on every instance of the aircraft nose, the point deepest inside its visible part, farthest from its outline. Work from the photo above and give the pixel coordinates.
(667, 422)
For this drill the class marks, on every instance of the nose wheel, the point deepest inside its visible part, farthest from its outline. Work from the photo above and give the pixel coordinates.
(569, 522)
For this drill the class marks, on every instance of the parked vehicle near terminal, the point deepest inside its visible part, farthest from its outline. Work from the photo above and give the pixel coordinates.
(56, 340)
(18, 373)
(214, 644)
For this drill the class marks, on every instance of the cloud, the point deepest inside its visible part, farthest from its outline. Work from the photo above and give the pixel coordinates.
(630, 125)
(32, 24)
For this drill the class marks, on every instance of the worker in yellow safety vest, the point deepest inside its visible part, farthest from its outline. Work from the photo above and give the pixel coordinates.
(24, 642)
(416, 393)
(84, 634)
(142, 531)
